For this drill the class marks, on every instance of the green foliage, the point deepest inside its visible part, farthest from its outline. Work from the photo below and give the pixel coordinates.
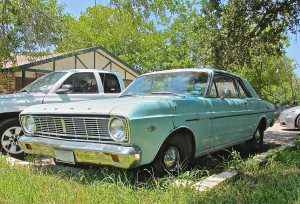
(244, 37)
(277, 181)
(28, 26)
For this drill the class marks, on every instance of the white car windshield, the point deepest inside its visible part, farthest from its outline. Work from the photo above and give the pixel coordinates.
(44, 83)
(176, 83)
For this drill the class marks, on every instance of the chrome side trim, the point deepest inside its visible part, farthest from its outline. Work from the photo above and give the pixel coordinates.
(198, 154)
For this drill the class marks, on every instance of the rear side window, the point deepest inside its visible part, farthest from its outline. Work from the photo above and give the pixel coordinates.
(110, 83)
(243, 91)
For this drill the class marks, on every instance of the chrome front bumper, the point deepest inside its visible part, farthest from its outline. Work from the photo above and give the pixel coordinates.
(84, 152)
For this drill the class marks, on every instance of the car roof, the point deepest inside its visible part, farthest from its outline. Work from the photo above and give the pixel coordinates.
(209, 70)
(88, 70)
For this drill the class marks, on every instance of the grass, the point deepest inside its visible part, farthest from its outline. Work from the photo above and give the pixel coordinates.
(277, 181)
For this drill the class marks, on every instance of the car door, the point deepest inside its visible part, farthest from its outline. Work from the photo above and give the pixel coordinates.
(252, 107)
(229, 112)
(257, 109)
(85, 87)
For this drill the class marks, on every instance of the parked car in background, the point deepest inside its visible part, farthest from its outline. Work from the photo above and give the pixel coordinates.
(289, 118)
(55, 87)
(165, 119)
(279, 108)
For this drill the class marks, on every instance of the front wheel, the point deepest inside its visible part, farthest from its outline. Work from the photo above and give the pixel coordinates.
(10, 132)
(174, 156)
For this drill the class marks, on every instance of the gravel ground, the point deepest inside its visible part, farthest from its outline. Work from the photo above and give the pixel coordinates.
(280, 135)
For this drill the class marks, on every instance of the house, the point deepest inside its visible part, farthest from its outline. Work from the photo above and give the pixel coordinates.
(14, 77)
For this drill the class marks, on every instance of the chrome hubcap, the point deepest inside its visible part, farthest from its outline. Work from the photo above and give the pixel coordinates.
(10, 140)
(172, 159)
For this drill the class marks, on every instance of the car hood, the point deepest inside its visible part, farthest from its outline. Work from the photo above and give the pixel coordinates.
(129, 107)
(18, 101)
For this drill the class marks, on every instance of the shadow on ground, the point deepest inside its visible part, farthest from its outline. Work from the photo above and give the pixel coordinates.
(215, 162)
(201, 167)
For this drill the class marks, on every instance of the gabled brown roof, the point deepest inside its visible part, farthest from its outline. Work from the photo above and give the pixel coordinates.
(26, 62)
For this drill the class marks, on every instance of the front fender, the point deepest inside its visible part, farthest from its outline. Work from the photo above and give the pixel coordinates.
(149, 134)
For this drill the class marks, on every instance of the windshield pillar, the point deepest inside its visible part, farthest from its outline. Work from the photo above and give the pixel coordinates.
(23, 79)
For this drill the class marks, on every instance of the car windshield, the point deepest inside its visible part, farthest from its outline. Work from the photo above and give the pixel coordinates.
(175, 83)
(44, 83)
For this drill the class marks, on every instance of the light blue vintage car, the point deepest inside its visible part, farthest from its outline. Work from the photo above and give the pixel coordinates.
(165, 119)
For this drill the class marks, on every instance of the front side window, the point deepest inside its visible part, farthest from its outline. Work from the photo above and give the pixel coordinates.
(183, 83)
(110, 83)
(44, 83)
(82, 83)
(225, 87)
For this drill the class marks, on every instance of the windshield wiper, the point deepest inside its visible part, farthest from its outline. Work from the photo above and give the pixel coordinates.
(127, 95)
(167, 93)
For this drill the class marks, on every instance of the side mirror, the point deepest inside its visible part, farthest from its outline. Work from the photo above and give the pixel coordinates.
(226, 93)
(67, 88)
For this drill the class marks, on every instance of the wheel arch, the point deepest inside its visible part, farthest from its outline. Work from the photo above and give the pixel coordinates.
(263, 123)
(296, 119)
(9, 115)
(190, 134)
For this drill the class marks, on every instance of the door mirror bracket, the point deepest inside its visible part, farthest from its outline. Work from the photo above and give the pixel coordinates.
(67, 88)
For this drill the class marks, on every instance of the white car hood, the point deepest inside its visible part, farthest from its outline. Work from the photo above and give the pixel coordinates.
(19, 101)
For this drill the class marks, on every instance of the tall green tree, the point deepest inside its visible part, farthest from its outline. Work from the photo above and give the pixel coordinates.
(137, 42)
(28, 26)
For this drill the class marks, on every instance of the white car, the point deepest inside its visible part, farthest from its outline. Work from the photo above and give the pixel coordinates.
(55, 87)
(290, 118)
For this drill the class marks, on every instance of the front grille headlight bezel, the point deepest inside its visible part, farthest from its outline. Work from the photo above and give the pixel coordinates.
(116, 121)
(28, 124)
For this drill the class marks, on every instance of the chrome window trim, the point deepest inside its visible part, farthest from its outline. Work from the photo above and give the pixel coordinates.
(240, 82)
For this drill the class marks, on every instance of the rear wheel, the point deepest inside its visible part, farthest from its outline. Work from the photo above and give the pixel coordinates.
(10, 132)
(258, 138)
(174, 155)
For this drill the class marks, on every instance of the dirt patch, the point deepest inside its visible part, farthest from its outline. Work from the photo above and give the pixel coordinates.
(280, 135)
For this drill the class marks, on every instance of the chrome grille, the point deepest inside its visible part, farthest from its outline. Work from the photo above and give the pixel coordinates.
(75, 128)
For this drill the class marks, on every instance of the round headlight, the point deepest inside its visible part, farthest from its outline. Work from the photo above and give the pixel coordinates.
(117, 129)
(29, 124)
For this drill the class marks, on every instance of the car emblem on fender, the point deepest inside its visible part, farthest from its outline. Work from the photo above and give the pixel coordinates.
(63, 124)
